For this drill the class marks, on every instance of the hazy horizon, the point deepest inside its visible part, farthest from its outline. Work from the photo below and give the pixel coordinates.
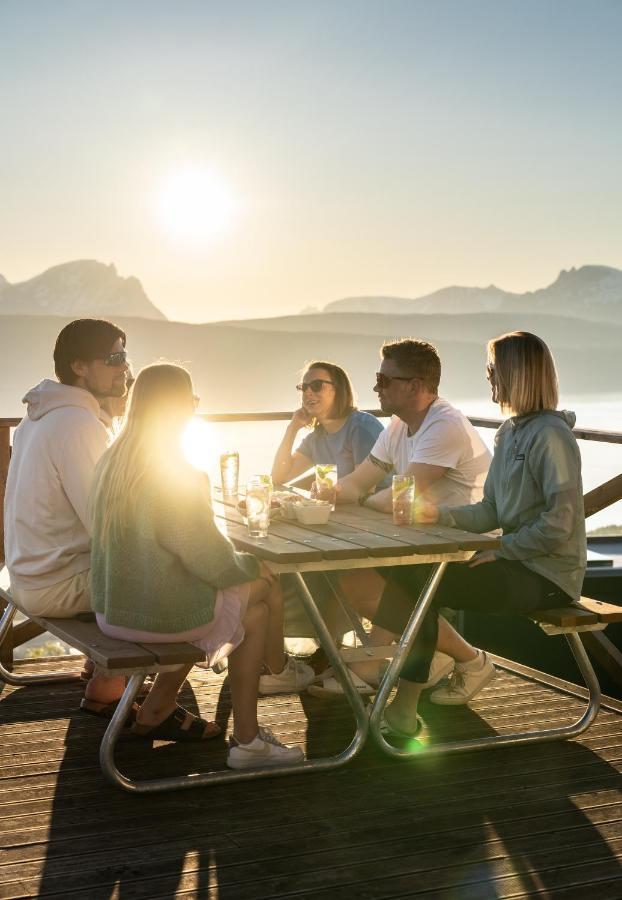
(258, 159)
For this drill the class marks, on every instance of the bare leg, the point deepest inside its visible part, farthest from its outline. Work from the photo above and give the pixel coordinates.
(453, 644)
(402, 712)
(162, 698)
(104, 690)
(268, 592)
(363, 590)
(244, 667)
(370, 671)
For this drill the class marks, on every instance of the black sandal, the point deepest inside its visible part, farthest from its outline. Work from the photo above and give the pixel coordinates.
(172, 728)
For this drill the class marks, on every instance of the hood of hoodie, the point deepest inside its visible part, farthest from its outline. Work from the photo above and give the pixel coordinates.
(49, 395)
(562, 415)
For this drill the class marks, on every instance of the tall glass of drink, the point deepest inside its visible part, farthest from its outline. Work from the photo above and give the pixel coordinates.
(403, 499)
(258, 496)
(325, 481)
(229, 472)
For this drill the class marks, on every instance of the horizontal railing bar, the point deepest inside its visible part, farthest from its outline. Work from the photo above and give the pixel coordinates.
(582, 434)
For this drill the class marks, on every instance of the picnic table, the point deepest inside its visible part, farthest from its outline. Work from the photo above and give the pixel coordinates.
(356, 537)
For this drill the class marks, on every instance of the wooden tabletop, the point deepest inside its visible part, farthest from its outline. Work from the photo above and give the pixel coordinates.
(354, 537)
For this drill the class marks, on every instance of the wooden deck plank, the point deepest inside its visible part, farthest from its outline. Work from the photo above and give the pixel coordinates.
(482, 824)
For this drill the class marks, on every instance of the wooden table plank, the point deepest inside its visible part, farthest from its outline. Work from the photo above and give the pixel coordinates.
(381, 524)
(104, 650)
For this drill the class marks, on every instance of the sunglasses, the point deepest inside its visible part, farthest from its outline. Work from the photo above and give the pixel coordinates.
(490, 371)
(315, 385)
(116, 359)
(383, 381)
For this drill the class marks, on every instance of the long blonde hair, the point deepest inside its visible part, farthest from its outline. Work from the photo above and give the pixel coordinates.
(524, 373)
(160, 403)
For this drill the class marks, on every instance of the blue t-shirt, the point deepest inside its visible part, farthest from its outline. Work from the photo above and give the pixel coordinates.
(345, 448)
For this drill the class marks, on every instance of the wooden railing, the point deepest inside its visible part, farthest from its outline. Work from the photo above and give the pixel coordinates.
(595, 500)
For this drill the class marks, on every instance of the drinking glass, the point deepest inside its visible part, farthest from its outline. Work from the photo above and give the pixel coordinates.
(229, 472)
(325, 481)
(403, 499)
(258, 496)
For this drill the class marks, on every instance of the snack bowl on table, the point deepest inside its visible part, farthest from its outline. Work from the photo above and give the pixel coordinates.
(313, 512)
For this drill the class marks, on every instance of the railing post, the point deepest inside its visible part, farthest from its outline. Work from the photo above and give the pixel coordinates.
(6, 650)
(5, 455)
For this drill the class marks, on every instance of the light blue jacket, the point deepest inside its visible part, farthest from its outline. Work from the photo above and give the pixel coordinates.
(534, 493)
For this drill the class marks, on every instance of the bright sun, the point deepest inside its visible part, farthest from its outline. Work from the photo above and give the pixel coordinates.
(195, 204)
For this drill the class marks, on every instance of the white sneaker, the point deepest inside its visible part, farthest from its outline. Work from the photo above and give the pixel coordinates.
(465, 683)
(330, 687)
(262, 752)
(295, 677)
(440, 666)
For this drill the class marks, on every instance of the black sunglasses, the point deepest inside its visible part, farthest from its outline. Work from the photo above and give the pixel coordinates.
(315, 385)
(383, 381)
(116, 359)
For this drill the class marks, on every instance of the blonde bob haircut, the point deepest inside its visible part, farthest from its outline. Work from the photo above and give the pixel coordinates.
(160, 404)
(525, 378)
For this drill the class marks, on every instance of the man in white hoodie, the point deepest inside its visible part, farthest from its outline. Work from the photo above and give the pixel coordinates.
(56, 447)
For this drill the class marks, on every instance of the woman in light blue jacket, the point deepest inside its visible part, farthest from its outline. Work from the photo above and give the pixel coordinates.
(533, 493)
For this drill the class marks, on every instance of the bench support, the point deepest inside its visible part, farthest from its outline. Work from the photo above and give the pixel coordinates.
(417, 748)
(11, 677)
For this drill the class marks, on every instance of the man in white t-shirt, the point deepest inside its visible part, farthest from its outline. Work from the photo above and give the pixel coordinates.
(426, 437)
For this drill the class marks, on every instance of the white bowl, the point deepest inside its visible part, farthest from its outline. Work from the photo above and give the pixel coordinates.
(313, 514)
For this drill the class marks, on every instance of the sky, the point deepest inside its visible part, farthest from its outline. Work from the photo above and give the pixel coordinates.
(257, 158)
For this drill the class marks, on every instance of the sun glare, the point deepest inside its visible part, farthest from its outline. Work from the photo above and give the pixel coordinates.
(197, 444)
(196, 204)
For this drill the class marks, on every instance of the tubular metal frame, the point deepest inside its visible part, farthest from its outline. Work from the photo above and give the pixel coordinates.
(483, 743)
(10, 677)
(364, 722)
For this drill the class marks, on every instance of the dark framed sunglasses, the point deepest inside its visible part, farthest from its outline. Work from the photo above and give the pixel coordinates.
(383, 381)
(116, 359)
(315, 385)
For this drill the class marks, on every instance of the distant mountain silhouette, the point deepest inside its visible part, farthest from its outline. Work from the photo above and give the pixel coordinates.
(81, 288)
(593, 292)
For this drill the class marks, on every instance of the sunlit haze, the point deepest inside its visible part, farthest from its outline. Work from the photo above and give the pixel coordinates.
(253, 159)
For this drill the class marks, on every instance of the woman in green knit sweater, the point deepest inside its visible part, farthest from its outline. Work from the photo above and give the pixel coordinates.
(162, 571)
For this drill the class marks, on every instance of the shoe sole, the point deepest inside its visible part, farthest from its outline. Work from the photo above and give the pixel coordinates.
(264, 764)
(464, 700)
(283, 690)
(316, 690)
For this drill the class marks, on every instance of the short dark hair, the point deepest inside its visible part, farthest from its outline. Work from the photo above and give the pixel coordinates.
(418, 357)
(85, 339)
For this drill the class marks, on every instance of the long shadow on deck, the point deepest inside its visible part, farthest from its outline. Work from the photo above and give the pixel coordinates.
(521, 820)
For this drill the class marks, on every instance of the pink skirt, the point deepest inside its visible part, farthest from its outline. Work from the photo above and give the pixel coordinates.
(217, 638)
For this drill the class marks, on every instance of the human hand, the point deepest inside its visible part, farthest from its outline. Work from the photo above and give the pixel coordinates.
(483, 556)
(301, 418)
(425, 513)
(266, 572)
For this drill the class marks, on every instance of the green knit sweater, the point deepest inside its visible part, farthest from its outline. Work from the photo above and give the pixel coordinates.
(163, 571)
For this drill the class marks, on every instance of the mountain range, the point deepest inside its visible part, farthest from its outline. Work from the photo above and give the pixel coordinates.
(254, 364)
(81, 288)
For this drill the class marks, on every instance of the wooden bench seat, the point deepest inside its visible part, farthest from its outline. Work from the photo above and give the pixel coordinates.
(583, 615)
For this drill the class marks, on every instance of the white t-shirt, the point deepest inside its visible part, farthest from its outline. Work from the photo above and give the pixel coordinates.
(445, 438)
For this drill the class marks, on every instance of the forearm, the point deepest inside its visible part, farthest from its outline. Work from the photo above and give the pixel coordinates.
(283, 463)
(549, 532)
(381, 501)
(477, 517)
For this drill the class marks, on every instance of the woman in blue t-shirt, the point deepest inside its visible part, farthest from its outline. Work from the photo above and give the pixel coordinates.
(341, 434)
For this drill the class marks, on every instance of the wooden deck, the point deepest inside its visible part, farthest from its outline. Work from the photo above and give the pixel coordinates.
(540, 821)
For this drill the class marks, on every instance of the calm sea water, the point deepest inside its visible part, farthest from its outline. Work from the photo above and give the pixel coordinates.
(257, 442)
